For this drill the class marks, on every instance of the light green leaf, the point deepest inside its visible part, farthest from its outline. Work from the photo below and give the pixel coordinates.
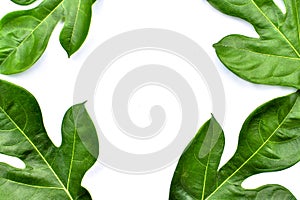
(51, 172)
(269, 141)
(272, 59)
(24, 35)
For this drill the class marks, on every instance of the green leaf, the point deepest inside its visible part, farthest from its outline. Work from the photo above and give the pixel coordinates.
(274, 57)
(50, 172)
(23, 2)
(24, 35)
(269, 141)
(196, 173)
(77, 24)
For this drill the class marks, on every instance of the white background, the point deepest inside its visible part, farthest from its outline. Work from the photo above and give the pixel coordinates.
(52, 81)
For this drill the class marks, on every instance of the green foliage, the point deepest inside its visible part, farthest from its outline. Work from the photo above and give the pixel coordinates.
(269, 141)
(274, 57)
(24, 35)
(51, 172)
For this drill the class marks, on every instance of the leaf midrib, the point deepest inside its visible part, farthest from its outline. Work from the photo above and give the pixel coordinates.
(254, 154)
(39, 153)
(75, 22)
(72, 156)
(275, 27)
(205, 177)
(259, 53)
(41, 22)
(207, 165)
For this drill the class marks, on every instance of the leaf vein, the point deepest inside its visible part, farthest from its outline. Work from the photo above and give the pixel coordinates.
(28, 36)
(37, 150)
(278, 30)
(34, 186)
(254, 154)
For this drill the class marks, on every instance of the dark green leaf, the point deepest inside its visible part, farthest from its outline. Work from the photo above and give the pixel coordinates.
(269, 141)
(50, 172)
(23, 2)
(274, 58)
(24, 35)
(196, 173)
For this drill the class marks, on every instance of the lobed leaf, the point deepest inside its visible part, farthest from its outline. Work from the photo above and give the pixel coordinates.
(274, 57)
(51, 172)
(269, 141)
(24, 35)
(196, 172)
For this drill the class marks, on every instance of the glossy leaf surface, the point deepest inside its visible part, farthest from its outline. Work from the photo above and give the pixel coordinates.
(269, 141)
(274, 57)
(24, 35)
(51, 172)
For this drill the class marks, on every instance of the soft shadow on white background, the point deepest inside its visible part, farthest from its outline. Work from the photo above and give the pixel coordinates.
(52, 81)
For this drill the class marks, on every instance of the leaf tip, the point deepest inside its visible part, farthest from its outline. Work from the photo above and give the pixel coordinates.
(213, 118)
(69, 53)
(216, 45)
